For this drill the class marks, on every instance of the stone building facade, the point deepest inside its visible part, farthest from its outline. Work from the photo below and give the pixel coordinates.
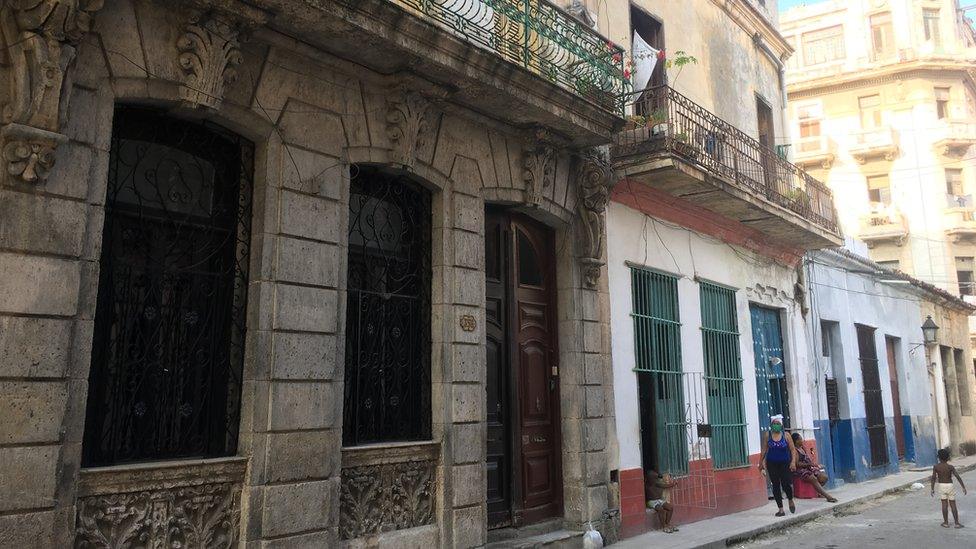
(215, 186)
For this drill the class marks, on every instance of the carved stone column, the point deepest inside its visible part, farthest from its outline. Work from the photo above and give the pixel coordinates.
(38, 41)
(594, 180)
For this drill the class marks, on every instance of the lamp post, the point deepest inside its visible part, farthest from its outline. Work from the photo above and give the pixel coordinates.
(930, 331)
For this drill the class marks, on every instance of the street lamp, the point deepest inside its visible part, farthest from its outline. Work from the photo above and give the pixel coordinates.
(929, 330)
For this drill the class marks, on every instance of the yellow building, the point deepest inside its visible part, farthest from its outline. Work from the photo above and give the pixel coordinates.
(881, 103)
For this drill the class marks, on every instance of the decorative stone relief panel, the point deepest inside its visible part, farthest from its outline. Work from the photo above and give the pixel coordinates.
(209, 56)
(408, 119)
(197, 505)
(37, 49)
(385, 497)
(538, 167)
(204, 516)
(594, 179)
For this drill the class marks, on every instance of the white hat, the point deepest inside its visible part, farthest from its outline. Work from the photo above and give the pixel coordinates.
(778, 418)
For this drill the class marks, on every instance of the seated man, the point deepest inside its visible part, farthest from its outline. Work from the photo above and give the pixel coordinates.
(657, 489)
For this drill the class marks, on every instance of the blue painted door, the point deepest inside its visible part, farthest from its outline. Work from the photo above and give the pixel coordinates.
(771, 388)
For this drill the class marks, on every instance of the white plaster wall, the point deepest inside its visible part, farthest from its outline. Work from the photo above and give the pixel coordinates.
(850, 298)
(639, 239)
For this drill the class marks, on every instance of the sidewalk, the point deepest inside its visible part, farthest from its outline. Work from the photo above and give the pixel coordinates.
(729, 529)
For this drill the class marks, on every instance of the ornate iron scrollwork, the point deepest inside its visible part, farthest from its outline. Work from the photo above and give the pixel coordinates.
(387, 382)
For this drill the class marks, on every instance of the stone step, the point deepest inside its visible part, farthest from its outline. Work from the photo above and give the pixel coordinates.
(560, 539)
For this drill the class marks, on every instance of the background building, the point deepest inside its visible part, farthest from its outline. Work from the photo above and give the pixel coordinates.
(705, 233)
(881, 389)
(261, 263)
(883, 108)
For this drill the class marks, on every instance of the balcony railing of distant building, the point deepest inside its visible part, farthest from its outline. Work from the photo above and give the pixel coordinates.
(539, 37)
(663, 120)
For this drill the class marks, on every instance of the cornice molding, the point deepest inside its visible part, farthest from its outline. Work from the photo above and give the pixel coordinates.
(751, 20)
(874, 77)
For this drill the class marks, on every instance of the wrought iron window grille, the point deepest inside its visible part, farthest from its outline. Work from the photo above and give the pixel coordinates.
(387, 359)
(168, 344)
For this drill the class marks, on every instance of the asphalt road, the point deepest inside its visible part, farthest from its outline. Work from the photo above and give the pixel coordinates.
(909, 520)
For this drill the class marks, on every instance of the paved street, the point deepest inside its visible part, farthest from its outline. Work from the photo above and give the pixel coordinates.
(907, 520)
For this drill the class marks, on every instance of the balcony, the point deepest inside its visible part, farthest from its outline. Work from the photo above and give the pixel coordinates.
(884, 223)
(524, 63)
(955, 137)
(677, 146)
(816, 151)
(959, 219)
(874, 143)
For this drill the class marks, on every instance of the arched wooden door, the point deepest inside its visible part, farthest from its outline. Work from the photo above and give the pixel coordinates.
(524, 458)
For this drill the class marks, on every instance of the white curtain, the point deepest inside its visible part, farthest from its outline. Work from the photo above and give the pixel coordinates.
(645, 59)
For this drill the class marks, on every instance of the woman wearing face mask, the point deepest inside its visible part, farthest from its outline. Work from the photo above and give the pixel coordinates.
(779, 460)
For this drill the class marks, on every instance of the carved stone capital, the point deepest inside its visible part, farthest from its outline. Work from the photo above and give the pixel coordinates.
(408, 120)
(37, 47)
(594, 181)
(209, 56)
(27, 152)
(538, 166)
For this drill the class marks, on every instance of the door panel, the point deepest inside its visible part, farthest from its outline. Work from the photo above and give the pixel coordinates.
(523, 462)
(771, 383)
(895, 397)
(498, 460)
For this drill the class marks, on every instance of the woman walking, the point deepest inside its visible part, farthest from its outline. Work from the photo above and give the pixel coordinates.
(779, 460)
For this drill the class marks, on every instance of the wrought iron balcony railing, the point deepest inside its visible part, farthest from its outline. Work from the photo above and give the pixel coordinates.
(539, 37)
(664, 120)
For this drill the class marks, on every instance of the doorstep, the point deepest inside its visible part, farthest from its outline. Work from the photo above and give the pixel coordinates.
(560, 539)
(734, 528)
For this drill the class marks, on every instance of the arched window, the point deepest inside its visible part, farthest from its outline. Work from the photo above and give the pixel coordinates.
(165, 379)
(387, 382)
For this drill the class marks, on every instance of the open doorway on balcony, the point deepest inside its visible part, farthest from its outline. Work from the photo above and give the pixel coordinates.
(648, 29)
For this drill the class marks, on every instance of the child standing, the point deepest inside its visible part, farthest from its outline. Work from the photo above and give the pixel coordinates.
(942, 474)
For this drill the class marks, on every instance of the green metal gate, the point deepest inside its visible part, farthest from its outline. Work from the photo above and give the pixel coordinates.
(657, 346)
(723, 377)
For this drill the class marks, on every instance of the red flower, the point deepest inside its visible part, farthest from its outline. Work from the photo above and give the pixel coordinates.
(660, 55)
(617, 58)
(627, 73)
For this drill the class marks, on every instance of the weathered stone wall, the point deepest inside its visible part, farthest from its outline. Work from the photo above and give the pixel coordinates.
(313, 118)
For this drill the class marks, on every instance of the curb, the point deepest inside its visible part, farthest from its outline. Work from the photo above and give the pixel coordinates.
(813, 515)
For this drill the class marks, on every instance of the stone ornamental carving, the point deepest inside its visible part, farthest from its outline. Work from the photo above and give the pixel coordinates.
(538, 167)
(407, 124)
(594, 179)
(390, 496)
(203, 516)
(39, 40)
(209, 56)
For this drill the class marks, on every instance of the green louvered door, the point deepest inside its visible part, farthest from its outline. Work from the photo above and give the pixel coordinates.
(657, 345)
(723, 377)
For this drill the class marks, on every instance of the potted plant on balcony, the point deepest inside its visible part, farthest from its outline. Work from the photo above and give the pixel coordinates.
(798, 200)
(684, 144)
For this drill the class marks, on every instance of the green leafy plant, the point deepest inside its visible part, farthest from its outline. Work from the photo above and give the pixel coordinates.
(680, 60)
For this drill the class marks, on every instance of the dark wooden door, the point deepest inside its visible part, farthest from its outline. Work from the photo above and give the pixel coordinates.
(524, 477)
(873, 407)
(895, 398)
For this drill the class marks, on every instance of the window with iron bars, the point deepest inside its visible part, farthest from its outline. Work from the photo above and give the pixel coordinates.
(723, 377)
(657, 348)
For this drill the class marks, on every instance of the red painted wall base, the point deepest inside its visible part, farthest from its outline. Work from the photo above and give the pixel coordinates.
(702, 494)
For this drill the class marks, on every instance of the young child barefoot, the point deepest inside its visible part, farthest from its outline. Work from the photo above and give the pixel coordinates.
(942, 474)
